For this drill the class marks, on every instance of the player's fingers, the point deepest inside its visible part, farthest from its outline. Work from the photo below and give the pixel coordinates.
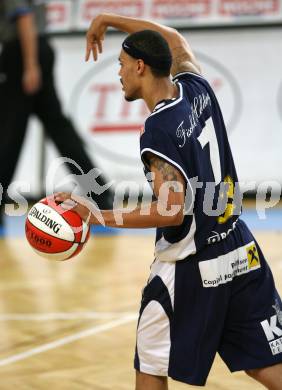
(58, 195)
(100, 46)
(69, 204)
(61, 196)
(88, 51)
(91, 46)
(95, 51)
(89, 42)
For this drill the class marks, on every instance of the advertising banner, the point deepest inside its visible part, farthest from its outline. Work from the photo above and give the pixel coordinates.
(60, 15)
(87, 10)
(76, 15)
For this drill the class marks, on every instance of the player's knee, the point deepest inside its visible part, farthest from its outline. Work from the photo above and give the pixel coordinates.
(147, 381)
(254, 373)
(270, 377)
(259, 374)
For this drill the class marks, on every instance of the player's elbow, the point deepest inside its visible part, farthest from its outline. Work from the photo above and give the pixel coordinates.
(182, 53)
(178, 218)
(172, 214)
(175, 38)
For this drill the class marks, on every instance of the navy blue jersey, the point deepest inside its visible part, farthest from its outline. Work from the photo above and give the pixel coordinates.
(189, 132)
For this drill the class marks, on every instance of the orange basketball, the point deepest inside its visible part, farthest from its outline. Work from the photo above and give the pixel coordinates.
(53, 232)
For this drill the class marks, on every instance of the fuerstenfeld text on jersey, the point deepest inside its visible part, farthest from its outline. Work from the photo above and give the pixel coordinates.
(199, 104)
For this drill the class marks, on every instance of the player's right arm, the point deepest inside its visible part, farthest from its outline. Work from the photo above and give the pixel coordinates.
(169, 187)
(183, 59)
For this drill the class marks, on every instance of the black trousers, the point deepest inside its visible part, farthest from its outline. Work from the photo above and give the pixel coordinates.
(16, 107)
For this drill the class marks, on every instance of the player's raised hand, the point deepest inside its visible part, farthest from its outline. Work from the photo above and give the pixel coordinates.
(95, 36)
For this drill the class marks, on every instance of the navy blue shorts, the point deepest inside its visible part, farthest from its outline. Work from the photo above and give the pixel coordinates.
(222, 299)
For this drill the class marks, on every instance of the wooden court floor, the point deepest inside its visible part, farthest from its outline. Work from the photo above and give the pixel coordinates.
(71, 325)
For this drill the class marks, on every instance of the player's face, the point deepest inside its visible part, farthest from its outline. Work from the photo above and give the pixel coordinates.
(128, 77)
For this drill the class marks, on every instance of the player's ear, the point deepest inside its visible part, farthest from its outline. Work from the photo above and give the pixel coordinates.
(140, 67)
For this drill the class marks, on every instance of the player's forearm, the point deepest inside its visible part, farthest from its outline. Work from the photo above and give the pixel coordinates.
(153, 215)
(131, 25)
(179, 47)
(28, 40)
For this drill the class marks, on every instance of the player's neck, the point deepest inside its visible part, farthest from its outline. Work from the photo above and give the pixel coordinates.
(157, 90)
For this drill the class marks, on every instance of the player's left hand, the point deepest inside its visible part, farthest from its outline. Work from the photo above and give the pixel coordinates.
(83, 207)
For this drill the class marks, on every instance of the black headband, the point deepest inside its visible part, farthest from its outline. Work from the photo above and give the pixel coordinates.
(160, 62)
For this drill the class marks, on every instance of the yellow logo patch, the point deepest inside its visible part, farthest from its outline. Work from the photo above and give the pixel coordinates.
(253, 256)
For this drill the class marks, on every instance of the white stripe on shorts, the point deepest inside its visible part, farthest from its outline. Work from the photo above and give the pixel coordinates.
(153, 340)
(153, 333)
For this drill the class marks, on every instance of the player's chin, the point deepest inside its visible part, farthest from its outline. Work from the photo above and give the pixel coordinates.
(129, 98)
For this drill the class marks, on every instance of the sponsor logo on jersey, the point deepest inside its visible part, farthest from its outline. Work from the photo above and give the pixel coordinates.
(225, 268)
(40, 216)
(273, 331)
(217, 237)
(253, 257)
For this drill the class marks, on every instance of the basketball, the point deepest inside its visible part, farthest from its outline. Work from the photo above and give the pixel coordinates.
(53, 232)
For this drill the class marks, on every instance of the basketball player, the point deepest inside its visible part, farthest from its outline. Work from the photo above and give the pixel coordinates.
(210, 288)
